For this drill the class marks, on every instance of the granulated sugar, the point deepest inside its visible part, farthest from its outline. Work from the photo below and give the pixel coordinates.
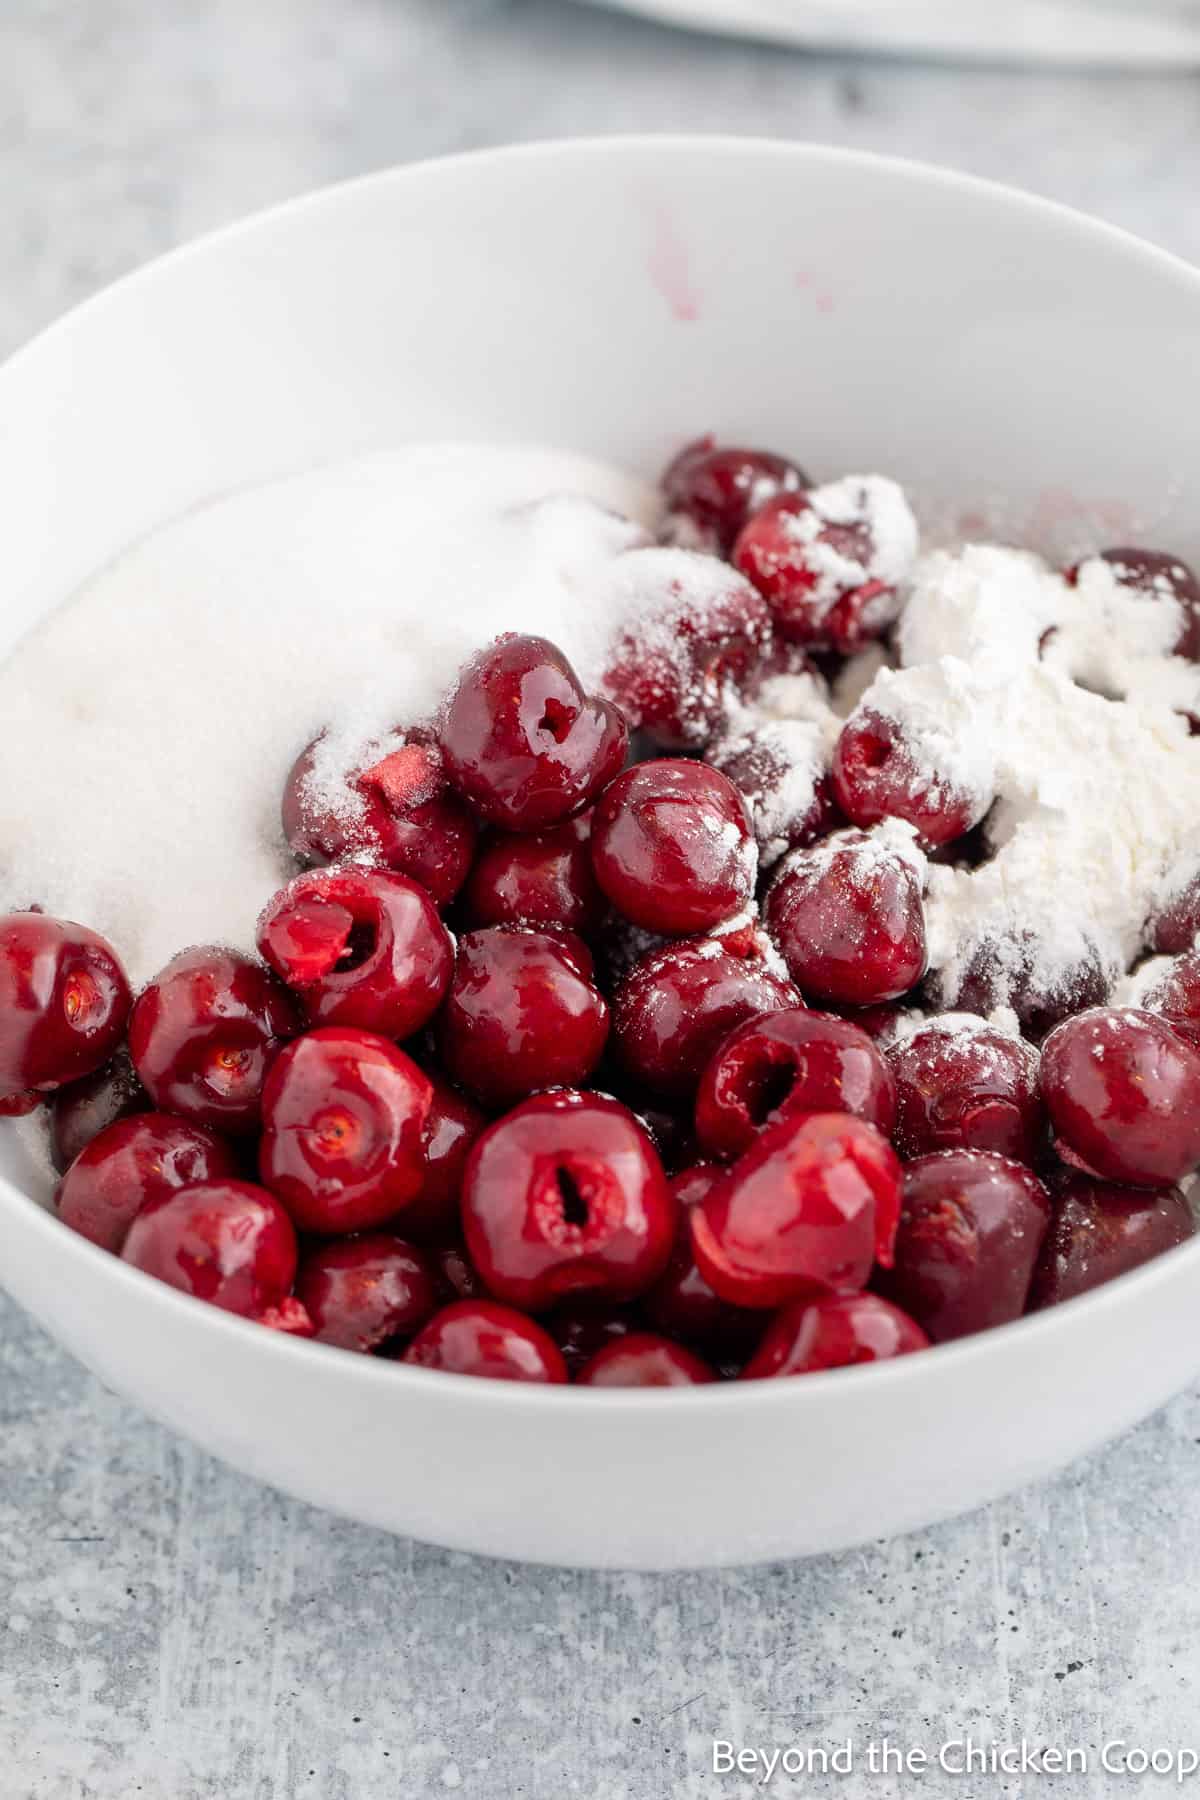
(150, 723)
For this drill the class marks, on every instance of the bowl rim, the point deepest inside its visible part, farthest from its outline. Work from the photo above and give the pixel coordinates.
(759, 1394)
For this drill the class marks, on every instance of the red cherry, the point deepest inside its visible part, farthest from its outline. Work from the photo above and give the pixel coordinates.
(791, 802)
(523, 743)
(64, 1003)
(848, 920)
(1175, 996)
(204, 1034)
(672, 847)
(479, 1337)
(564, 1196)
(811, 1335)
(1123, 1093)
(1174, 925)
(878, 775)
(971, 1227)
(967, 1089)
(681, 1304)
(543, 879)
(642, 1359)
(226, 1242)
(451, 1126)
(359, 947)
(582, 1327)
(363, 1291)
(400, 813)
(343, 1121)
(1159, 576)
(82, 1109)
(132, 1161)
(785, 1064)
(805, 1212)
(681, 1001)
(1100, 1231)
(700, 638)
(718, 487)
(1012, 972)
(521, 1014)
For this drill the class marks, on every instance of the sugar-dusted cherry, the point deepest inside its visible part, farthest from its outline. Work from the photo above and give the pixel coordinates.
(361, 947)
(540, 878)
(451, 1126)
(1101, 1230)
(343, 1130)
(805, 1212)
(1019, 969)
(848, 919)
(394, 808)
(679, 1002)
(789, 795)
(834, 1333)
(524, 745)
(82, 1109)
(971, 1228)
(1123, 1093)
(681, 1304)
(697, 641)
(227, 1242)
(966, 1085)
(566, 1195)
(362, 1291)
(522, 1013)
(881, 771)
(783, 1064)
(717, 487)
(1156, 575)
(673, 848)
(1174, 922)
(644, 1359)
(205, 1032)
(131, 1161)
(1175, 995)
(482, 1337)
(64, 1003)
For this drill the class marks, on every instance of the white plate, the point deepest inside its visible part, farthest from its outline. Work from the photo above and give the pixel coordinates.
(618, 296)
(1093, 32)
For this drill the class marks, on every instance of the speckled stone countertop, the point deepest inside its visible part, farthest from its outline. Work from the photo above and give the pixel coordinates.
(170, 1630)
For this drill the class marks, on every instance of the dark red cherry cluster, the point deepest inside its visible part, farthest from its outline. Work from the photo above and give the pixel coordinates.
(638, 1119)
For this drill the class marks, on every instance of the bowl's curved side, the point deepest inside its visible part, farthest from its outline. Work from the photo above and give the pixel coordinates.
(617, 296)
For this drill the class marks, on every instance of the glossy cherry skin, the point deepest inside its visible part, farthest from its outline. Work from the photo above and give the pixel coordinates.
(361, 947)
(204, 1034)
(673, 848)
(343, 1130)
(805, 1212)
(64, 1003)
(681, 1304)
(848, 920)
(410, 819)
(1123, 1093)
(543, 878)
(522, 1014)
(566, 1195)
(811, 1335)
(699, 640)
(80, 1111)
(782, 1065)
(582, 1327)
(1156, 573)
(132, 1161)
(877, 776)
(967, 1090)
(481, 1337)
(451, 1126)
(524, 745)
(1175, 996)
(670, 1014)
(971, 1228)
(362, 1291)
(1101, 1230)
(643, 1359)
(226, 1242)
(718, 487)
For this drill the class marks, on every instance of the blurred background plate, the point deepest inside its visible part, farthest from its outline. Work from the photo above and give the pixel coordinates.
(1117, 33)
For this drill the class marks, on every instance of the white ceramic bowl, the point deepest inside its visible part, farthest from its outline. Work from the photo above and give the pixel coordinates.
(616, 296)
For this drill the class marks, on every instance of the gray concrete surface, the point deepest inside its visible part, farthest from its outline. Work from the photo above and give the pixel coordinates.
(168, 1629)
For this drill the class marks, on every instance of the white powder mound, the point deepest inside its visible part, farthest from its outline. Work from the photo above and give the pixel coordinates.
(150, 723)
(1095, 796)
